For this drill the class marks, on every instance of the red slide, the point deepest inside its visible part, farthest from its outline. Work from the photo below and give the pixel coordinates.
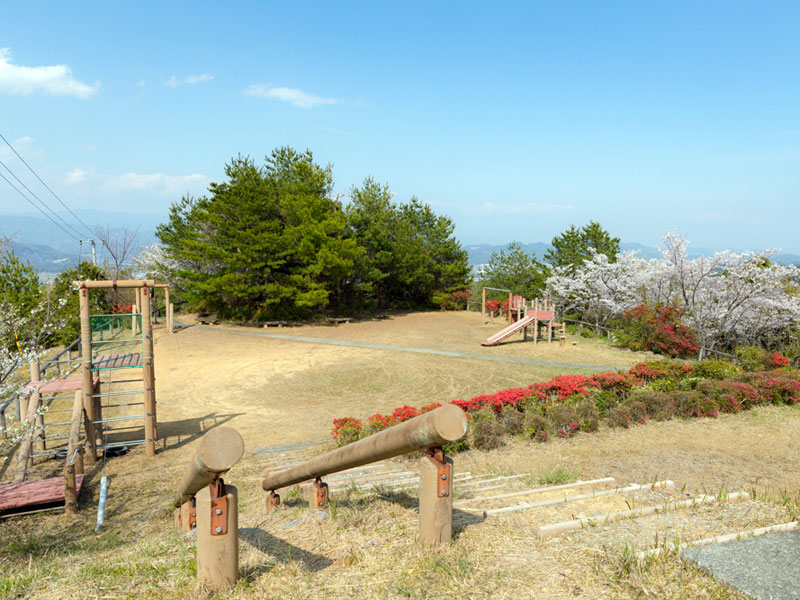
(510, 330)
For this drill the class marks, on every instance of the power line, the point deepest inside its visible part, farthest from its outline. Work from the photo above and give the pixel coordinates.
(42, 202)
(89, 229)
(36, 206)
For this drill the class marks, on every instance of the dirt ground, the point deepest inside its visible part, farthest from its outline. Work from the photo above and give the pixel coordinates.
(259, 384)
(279, 392)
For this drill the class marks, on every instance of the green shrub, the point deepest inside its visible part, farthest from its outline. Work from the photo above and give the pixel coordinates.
(637, 411)
(659, 405)
(564, 420)
(751, 358)
(536, 426)
(605, 401)
(588, 416)
(513, 421)
(619, 417)
(716, 369)
(485, 434)
(695, 404)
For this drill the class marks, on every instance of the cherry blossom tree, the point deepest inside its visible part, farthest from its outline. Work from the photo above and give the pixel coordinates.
(728, 299)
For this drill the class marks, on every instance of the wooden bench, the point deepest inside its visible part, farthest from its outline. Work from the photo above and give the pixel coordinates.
(205, 320)
(339, 319)
(266, 324)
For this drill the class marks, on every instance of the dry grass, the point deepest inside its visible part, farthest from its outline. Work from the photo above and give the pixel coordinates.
(281, 392)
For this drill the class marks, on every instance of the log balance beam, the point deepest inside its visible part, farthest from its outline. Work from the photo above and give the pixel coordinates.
(426, 432)
(203, 501)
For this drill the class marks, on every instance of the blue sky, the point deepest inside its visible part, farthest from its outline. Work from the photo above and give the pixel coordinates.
(515, 119)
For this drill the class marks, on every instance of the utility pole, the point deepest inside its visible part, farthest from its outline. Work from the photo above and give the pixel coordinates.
(94, 254)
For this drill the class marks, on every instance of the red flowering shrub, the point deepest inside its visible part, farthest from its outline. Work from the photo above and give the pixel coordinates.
(121, 309)
(657, 329)
(574, 402)
(346, 430)
(403, 413)
(620, 382)
(775, 360)
(493, 307)
(731, 396)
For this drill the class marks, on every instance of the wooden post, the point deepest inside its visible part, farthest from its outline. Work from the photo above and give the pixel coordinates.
(318, 495)
(483, 305)
(508, 312)
(38, 432)
(87, 381)
(134, 310)
(435, 499)
(217, 544)
(150, 433)
(27, 441)
(536, 321)
(167, 311)
(172, 318)
(70, 489)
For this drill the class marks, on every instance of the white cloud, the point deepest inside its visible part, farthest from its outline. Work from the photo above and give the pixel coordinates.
(173, 82)
(56, 80)
(76, 176)
(157, 183)
(528, 208)
(295, 97)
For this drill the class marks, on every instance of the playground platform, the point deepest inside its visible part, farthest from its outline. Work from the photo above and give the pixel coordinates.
(35, 495)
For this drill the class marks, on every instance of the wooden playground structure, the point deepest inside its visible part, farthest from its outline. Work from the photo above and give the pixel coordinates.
(104, 347)
(535, 318)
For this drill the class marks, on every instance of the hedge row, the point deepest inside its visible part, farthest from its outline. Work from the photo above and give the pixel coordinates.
(566, 404)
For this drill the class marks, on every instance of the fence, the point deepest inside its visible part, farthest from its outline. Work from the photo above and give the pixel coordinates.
(426, 432)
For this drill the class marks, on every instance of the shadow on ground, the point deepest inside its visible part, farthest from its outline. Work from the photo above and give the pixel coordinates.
(281, 550)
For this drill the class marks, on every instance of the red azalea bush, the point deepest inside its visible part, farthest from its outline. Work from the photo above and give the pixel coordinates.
(121, 309)
(775, 360)
(657, 329)
(493, 307)
(566, 404)
(346, 430)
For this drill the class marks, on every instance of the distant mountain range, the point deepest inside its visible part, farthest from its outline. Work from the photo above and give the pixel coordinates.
(479, 254)
(51, 250)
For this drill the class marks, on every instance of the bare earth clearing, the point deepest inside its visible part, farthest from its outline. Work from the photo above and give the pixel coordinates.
(279, 392)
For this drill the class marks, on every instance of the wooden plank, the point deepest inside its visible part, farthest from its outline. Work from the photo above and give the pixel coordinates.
(34, 493)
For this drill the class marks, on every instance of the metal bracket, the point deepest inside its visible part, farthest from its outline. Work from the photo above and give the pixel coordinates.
(320, 493)
(219, 507)
(444, 479)
(193, 515)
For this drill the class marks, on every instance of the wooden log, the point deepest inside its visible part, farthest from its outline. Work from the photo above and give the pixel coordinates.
(120, 283)
(483, 305)
(217, 451)
(446, 424)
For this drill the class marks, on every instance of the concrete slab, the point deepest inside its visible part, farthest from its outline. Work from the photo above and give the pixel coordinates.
(764, 567)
